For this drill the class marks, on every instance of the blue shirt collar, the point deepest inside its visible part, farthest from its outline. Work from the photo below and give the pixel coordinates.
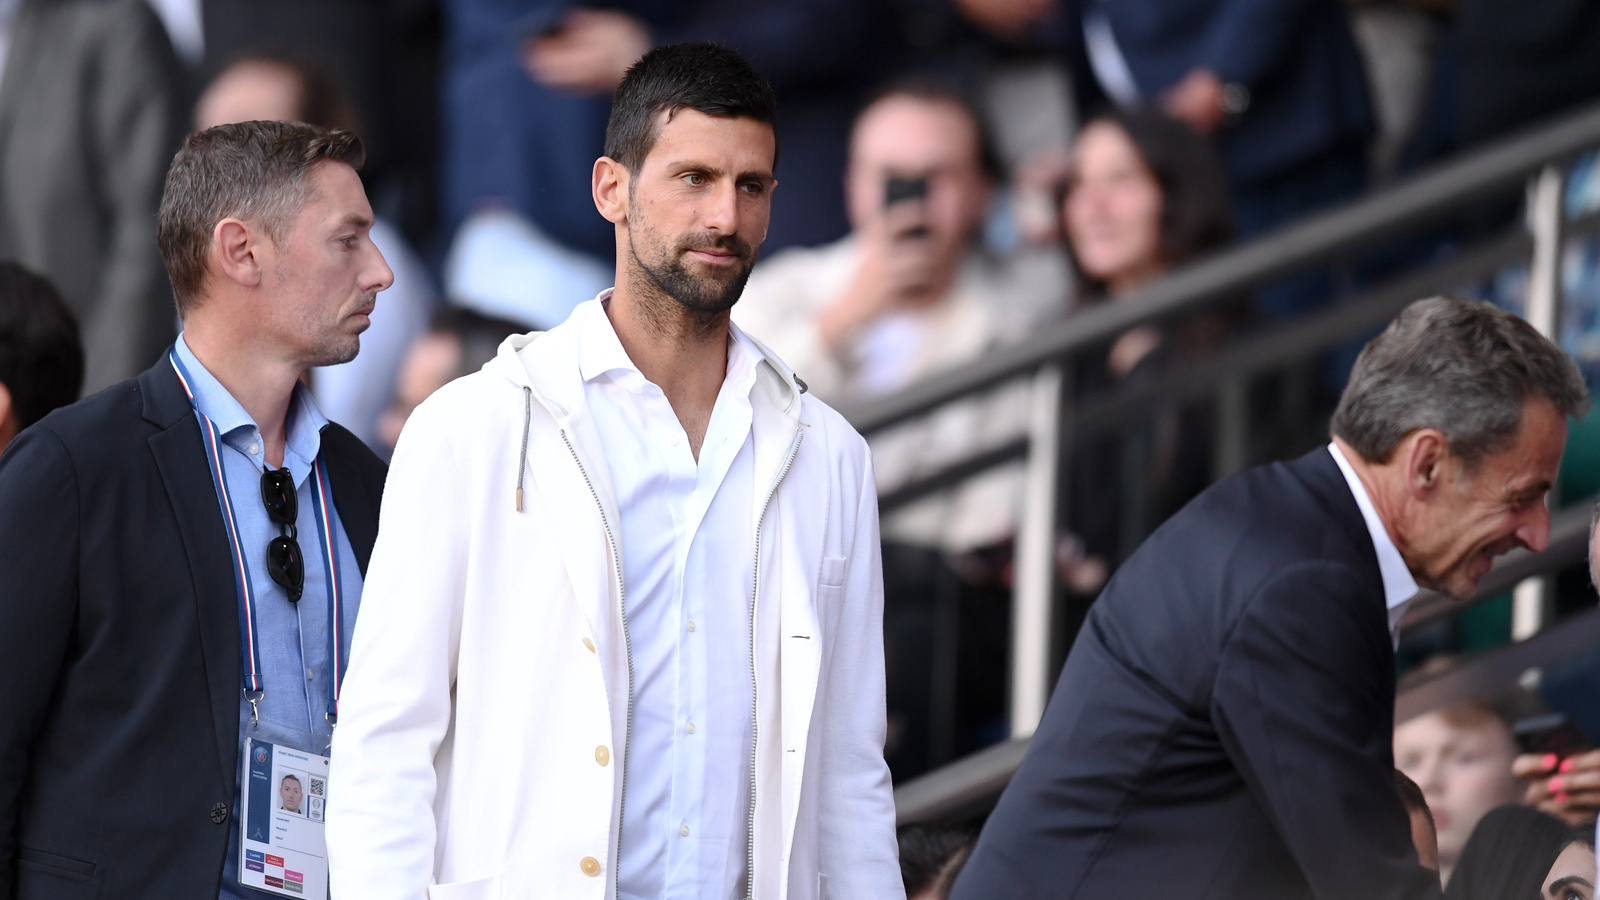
(303, 438)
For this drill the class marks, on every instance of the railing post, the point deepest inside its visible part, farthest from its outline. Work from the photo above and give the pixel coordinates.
(1547, 221)
(1033, 600)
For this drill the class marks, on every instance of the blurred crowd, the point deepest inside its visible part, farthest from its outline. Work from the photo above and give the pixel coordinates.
(953, 175)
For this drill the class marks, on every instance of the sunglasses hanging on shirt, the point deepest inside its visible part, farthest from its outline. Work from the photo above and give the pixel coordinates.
(284, 562)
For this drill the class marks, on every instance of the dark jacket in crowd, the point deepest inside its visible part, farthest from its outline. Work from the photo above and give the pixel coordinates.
(1308, 90)
(509, 140)
(89, 120)
(1509, 854)
(119, 631)
(1223, 726)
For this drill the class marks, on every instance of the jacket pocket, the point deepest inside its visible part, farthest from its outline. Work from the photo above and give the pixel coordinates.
(481, 889)
(833, 571)
(41, 874)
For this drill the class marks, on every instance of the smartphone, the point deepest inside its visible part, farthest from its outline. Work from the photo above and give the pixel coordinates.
(899, 190)
(1553, 733)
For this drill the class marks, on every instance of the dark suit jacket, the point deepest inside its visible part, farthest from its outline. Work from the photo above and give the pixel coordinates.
(1308, 88)
(119, 646)
(1223, 726)
(89, 120)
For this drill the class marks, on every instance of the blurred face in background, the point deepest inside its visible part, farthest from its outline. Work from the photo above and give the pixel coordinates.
(1113, 210)
(1461, 758)
(432, 361)
(902, 136)
(254, 90)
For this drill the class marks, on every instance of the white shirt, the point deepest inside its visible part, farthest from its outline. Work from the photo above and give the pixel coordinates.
(688, 553)
(1398, 586)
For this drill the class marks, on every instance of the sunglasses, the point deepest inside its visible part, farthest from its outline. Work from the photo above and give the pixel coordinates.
(284, 562)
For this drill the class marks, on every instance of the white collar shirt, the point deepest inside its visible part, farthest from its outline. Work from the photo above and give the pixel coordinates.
(1399, 587)
(687, 542)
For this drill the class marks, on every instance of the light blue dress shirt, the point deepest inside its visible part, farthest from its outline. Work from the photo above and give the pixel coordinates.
(293, 635)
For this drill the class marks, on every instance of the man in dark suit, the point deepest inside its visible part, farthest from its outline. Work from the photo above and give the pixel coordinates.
(1222, 728)
(156, 608)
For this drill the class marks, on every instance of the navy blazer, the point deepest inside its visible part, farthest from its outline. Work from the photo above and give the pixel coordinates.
(119, 645)
(1223, 725)
(1308, 89)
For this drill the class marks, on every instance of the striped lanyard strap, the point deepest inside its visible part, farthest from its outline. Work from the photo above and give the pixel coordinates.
(244, 587)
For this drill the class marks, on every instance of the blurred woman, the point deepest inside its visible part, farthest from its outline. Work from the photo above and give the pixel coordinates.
(1510, 856)
(1572, 875)
(1144, 194)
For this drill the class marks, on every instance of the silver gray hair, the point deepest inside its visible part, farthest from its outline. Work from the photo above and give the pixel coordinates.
(1461, 366)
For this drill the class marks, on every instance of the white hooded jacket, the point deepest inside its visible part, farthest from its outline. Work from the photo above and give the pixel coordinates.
(482, 736)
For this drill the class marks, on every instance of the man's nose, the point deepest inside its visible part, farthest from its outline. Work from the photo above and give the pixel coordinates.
(722, 210)
(1534, 532)
(379, 276)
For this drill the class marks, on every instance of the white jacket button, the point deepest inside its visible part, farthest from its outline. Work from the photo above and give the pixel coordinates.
(588, 643)
(602, 755)
(590, 866)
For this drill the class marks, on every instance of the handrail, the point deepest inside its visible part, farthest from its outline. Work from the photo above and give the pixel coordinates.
(1447, 187)
(970, 785)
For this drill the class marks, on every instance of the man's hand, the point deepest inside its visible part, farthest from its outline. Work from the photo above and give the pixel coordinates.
(589, 54)
(1197, 100)
(898, 269)
(1568, 789)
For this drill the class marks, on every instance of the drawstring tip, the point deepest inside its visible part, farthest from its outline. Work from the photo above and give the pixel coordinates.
(519, 499)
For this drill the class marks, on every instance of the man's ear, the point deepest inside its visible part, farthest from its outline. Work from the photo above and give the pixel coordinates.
(1425, 454)
(235, 247)
(610, 187)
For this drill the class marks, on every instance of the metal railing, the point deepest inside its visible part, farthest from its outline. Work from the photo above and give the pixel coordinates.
(1536, 160)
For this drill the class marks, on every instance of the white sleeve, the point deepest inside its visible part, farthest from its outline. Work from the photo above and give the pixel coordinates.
(857, 847)
(396, 702)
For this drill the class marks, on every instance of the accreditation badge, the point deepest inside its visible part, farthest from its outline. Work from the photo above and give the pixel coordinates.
(281, 844)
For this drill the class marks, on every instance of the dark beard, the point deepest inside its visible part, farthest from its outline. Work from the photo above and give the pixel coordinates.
(704, 297)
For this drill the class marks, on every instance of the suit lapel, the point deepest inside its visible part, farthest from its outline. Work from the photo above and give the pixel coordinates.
(181, 460)
(358, 509)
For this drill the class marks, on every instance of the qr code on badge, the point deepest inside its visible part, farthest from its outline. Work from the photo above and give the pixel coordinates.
(317, 786)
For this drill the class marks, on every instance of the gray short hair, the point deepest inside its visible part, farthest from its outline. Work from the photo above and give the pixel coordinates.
(248, 170)
(1461, 366)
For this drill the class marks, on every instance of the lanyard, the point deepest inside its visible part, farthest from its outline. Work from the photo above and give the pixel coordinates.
(244, 587)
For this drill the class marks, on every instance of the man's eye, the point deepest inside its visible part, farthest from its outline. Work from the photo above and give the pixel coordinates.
(695, 179)
(751, 187)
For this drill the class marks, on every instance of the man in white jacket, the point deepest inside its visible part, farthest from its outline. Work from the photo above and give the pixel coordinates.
(623, 636)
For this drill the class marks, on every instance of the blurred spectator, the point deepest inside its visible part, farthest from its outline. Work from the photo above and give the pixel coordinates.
(1397, 39)
(458, 342)
(1144, 194)
(383, 56)
(1509, 855)
(41, 359)
(527, 85)
(1423, 833)
(1519, 61)
(355, 393)
(88, 108)
(1572, 875)
(1461, 757)
(909, 292)
(931, 857)
(1279, 86)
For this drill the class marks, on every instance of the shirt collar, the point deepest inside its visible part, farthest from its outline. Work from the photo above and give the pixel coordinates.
(1398, 584)
(303, 434)
(600, 351)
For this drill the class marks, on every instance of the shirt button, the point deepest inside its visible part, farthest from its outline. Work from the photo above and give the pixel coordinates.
(691, 624)
(672, 440)
(308, 675)
(254, 449)
(590, 866)
(602, 755)
(683, 830)
(691, 728)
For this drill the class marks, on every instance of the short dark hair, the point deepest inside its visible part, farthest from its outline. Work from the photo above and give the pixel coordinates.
(478, 335)
(936, 87)
(1464, 367)
(1196, 209)
(931, 856)
(287, 777)
(41, 355)
(702, 76)
(247, 170)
